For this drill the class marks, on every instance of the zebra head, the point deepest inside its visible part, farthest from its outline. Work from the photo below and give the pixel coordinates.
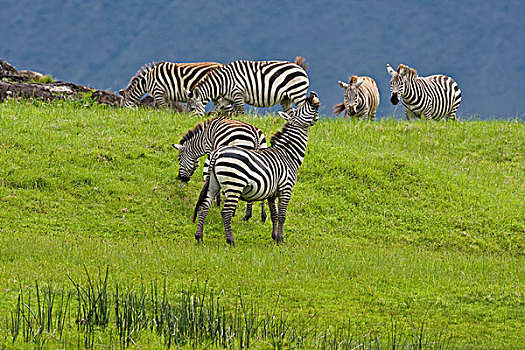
(306, 115)
(187, 163)
(397, 85)
(125, 98)
(351, 92)
(195, 104)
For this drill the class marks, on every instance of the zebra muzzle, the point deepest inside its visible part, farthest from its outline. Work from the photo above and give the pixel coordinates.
(394, 99)
(183, 178)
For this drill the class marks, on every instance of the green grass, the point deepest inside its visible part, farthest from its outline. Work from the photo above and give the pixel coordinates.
(391, 223)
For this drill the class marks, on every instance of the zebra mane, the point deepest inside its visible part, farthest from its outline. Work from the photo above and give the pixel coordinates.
(353, 79)
(280, 136)
(301, 62)
(197, 129)
(410, 70)
(145, 69)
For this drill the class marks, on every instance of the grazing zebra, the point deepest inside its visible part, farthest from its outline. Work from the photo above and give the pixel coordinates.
(211, 134)
(254, 175)
(257, 83)
(432, 97)
(165, 82)
(361, 98)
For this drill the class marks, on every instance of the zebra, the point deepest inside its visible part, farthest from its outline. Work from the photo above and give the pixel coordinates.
(165, 82)
(211, 134)
(254, 175)
(432, 97)
(257, 83)
(361, 98)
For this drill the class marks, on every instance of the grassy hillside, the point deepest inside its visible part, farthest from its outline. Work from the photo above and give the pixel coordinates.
(391, 224)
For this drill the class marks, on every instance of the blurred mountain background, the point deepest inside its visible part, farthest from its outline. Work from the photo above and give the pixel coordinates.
(102, 44)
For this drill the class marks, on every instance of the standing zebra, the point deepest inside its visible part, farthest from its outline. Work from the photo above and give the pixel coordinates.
(166, 82)
(257, 83)
(211, 134)
(361, 98)
(254, 175)
(432, 97)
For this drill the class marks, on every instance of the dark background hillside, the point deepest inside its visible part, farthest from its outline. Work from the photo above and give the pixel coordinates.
(103, 43)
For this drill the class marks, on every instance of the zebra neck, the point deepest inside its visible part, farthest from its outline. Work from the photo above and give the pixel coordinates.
(412, 91)
(138, 90)
(291, 141)
(214, 86)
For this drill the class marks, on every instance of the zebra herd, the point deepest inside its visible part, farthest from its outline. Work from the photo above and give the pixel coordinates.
(239, 161)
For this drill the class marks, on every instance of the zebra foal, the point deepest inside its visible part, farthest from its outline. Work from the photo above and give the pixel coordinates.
(166, 82)
(254, 175)
(257, 83)
(432, 97)
(211, 134)
(361, 98)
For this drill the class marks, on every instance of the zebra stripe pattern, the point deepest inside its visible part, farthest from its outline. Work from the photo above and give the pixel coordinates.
(361, 98)
(166, 82)
(254, 175)
(432, 97)
(212, 134)
(257, 83)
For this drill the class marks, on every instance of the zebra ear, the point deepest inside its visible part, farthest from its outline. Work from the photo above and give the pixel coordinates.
(121, 92)
(342, 84)
(188, 93)
(359, 82)
(390, 70)
(284, 115)
(177, 146)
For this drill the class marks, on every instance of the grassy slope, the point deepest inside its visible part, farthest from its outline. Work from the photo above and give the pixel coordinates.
(421, 220)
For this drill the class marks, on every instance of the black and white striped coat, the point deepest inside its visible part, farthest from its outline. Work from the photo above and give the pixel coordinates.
(211, 134)
(432, 97)
(165, 82)
(361, 98)
(257, 83)
(255, 175)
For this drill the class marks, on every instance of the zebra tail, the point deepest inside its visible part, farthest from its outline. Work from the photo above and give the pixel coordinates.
(202, 197)
(338, 108)
(301, 62)
(204, 191)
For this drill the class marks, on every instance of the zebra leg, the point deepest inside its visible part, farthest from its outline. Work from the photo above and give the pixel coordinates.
(248, 215)
(284, 199)
(273, 215)
(239, 102)
(263, 212)
(230, 204)
(204, 208)
(286, 105)
(409, 114)
(452, 116)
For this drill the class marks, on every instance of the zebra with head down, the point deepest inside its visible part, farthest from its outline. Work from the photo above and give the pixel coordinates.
(211, 134)
(257, 83)
(166, 82)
